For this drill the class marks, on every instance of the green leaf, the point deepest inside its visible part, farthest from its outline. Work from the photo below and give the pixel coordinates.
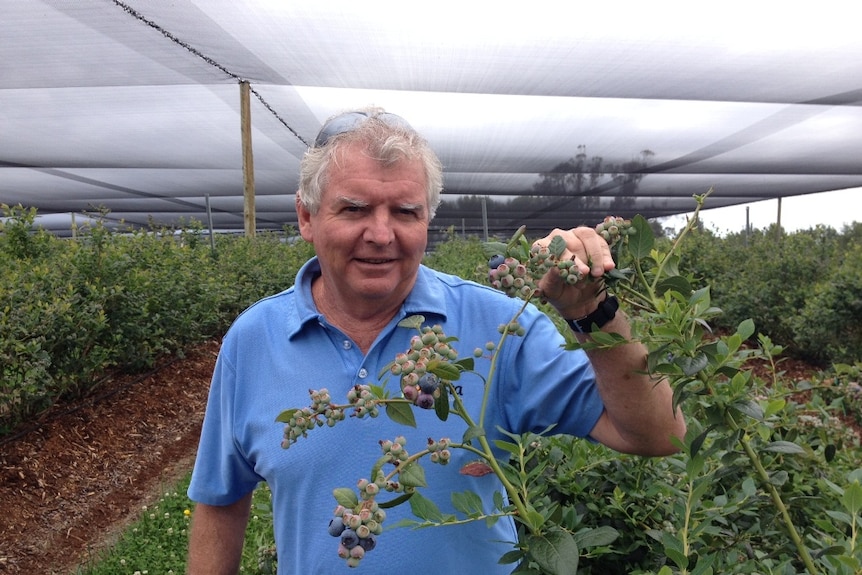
(401, 412)
(492, 249)
(413, 321)
(284, 416)
(852, 498)
(346, 497)
(674, 283)
(596, 537)
(395, 501)
(746, 329)
(467, 503)
(640, 245)
(444, 370)
(506, 446)
(784, 447)
(750, 408)
(555, 552)
(412, 475)
(692, 365)
(466, 364)
(473, 432)
(674, 550)
(557, 246)
(441, 404)
(704, 565)
(424, 508)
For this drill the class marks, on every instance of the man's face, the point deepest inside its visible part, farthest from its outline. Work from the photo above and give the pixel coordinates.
(371, 229)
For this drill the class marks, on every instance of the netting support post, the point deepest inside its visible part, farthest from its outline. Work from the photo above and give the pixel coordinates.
(247, 159)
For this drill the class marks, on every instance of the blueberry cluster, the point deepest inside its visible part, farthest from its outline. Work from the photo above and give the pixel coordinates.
(321, 411)
(363, 401)
(518, 279)
(357, 530)
(439, 451)
(614, 229)
(418, 385)
(517, 271)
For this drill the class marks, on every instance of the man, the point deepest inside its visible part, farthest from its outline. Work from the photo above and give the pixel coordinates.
(368, 190)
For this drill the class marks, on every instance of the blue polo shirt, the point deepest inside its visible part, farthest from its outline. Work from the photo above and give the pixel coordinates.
(281, 347)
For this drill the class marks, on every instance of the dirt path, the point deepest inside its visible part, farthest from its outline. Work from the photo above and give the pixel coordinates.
(71, 484)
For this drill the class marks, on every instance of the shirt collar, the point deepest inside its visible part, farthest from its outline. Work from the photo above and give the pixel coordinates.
(426, 298)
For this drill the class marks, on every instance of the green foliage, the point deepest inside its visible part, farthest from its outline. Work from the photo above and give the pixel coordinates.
(775, 279)
(157, 542)
(71, 310)
(458, 256)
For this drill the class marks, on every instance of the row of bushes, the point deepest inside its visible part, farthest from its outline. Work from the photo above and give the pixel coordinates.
(70, 310)
(803, 290)
(73, 310)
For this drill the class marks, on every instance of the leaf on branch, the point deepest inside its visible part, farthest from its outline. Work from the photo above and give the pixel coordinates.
(444, 370)
(596, 537)
(284, 416)
(784, 447)
(468, 503)
(424, 508)
(401, 412)
(557, 246)
(555, 552)
(641, 244)
(346, 497)
(441, 404)
(413, 321)
(412, 475)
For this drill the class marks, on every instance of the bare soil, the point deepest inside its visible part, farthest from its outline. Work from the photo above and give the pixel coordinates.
(71, 482)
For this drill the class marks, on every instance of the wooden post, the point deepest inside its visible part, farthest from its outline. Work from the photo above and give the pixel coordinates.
(247, 160)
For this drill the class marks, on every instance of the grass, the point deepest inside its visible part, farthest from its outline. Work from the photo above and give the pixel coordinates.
(157, 542)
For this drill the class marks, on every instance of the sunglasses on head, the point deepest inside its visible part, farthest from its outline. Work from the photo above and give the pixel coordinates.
(349, 121)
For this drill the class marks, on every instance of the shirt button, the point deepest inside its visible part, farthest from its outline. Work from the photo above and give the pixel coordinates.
(363, 373)
(346, 344)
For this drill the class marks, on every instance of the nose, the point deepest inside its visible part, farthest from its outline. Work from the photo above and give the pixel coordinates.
(379, 229)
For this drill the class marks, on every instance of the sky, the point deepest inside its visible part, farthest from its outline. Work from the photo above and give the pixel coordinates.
(834, 209)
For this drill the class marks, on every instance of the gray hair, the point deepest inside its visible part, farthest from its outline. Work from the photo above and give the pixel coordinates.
(386, 141)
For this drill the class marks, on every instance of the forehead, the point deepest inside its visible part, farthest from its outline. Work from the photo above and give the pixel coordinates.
(354, 169)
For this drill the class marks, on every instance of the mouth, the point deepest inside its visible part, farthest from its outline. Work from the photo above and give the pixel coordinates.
(375, 261)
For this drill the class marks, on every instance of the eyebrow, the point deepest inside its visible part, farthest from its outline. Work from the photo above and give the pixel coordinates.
(363, 204)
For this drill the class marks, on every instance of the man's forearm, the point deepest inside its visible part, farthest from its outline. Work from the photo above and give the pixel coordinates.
(216, 539)
(638, 407)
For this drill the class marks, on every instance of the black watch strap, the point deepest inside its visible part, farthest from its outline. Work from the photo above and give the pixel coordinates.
(603, 314)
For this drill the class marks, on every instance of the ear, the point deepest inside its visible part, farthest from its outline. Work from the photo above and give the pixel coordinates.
(305, 228)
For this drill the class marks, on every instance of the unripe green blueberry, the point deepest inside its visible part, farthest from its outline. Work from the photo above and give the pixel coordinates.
(352, 521)
(372, 489)
(478, 352)
(363, 531)
(353, 562)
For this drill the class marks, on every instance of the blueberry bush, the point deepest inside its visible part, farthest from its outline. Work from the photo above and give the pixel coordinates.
(762, 483)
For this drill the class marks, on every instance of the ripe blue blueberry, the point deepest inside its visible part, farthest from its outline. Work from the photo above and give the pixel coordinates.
(425, 401)
(428, 383)
(349, 538)
(368, 543)
(495, 261)
(336, 527)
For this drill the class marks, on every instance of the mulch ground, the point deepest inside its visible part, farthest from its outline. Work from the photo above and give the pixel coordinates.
(72, 481)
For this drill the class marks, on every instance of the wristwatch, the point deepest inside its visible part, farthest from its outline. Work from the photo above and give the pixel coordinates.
(603, 314)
